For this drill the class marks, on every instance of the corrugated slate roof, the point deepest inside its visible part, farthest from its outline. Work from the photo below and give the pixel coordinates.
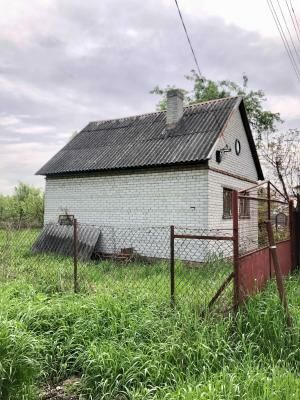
(143, 140)
(55, 238)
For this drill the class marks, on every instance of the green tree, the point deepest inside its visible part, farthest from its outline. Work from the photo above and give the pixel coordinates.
(24, 207)
(204, 89)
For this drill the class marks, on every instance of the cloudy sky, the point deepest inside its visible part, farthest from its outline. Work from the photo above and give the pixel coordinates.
(64, 63)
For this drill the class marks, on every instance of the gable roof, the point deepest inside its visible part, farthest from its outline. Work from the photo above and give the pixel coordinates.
(144, 141)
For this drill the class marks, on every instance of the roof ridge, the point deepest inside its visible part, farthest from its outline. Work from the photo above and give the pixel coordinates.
(211, 101)
(126, 118)
(162, 111)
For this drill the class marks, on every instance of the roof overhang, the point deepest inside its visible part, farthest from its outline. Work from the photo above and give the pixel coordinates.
(252, 145)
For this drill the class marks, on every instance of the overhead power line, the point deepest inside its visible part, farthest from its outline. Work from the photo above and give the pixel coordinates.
(295, 16)
(293, 21)
(282, 34)
(188, 38)
(289, 32)
(284, 39)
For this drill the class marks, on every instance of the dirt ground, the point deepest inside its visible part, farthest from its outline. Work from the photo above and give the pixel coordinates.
(64, 391)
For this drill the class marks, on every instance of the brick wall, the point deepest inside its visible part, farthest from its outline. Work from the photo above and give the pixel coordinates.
(140, 199)
(147, 198)
(216, 183)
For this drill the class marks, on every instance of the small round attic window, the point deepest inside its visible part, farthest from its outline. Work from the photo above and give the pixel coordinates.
(237, 146)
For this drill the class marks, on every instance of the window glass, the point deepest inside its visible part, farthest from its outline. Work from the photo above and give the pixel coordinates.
(245, 206)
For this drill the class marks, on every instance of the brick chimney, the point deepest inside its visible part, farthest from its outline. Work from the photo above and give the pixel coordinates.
(174, 107)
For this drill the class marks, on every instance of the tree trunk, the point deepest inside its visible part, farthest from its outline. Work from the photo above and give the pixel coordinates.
(281, 179)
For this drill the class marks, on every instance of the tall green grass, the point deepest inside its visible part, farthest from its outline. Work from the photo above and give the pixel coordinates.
(128, 347)
(129, 344)
(54, 274)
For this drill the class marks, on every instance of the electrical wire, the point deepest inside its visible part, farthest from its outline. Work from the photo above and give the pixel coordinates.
(282, 34)
(188, 38)
(295, 16)
(289, 32)
(283, 38)
(292, 18)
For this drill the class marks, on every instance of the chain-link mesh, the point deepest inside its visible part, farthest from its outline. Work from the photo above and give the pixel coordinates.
(130, 260)
(137, 260)
(256, 206)
(52, 273)
(204, 262)
(116, 260)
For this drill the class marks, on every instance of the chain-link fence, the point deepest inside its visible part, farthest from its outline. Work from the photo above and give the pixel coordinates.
(116, 260)
(187, 266)
(256, 206)
(203, 266)
(52, 273)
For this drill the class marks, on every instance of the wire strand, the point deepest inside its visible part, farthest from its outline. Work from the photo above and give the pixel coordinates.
(295, 16)
(289, 32)
(188, 38)
(294, 25)
(283, 38)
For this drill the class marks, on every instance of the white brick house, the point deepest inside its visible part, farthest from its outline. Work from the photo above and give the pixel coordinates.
(174, 167)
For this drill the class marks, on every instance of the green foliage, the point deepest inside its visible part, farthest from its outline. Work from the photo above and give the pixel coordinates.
(24, 208)
(204, 89)
(195, 285)
(131, 345)
(18, 360)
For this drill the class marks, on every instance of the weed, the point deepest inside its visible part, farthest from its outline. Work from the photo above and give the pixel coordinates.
(121, 340)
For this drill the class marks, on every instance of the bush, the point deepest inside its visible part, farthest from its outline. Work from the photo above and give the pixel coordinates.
(24, 208)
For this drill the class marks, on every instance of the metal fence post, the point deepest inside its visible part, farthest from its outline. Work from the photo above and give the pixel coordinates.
(278, 274)
(292, 233)
(172, 266)
(75, 254)
(297, 236)
(235, 226)
(269, 218)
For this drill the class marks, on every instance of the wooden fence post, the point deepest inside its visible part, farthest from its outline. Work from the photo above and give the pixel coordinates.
(172, 266)
(235, 222)
(278, 274)
(75, 254)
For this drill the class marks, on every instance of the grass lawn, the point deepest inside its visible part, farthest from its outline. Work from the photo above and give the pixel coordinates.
(118, 338)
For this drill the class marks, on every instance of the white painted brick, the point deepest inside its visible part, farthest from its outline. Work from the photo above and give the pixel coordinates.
(243, 164)
(140, 197)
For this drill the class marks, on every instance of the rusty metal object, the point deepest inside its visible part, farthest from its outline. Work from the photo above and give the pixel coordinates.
(207, 237)
(292, 233)
(172, 266)
(278, 273)
(220, 290)
(236, 261)
(75, 254)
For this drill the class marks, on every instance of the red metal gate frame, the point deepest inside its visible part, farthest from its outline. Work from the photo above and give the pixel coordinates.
(239, 296)
(174, 236)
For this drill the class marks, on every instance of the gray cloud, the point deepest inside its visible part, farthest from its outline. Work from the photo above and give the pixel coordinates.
(71, 62)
